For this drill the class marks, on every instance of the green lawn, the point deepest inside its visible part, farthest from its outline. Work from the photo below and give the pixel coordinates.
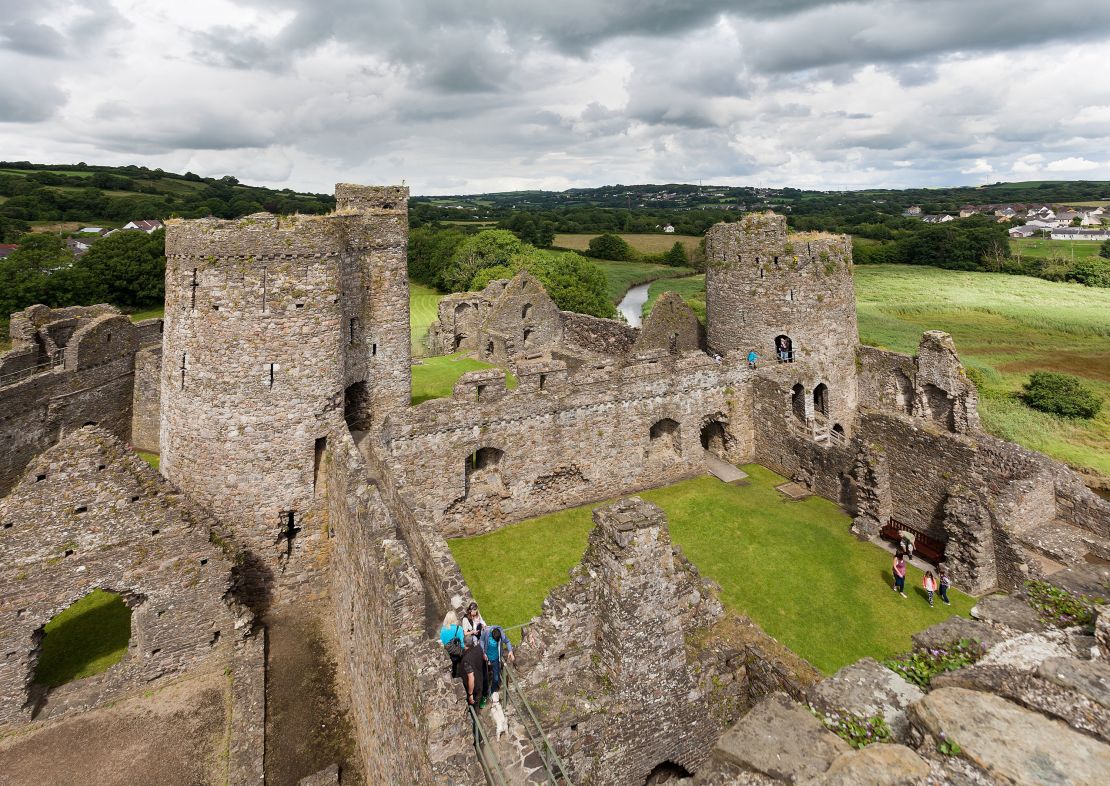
(436, 377)
(153, 459)
(423, 302)
(87, 638)
(621, 276)
(792, 566)
(156, 312)
(1043, 248)
(692, 289)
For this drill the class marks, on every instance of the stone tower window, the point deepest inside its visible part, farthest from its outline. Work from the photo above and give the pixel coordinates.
(273, 368)
(543, 381)
(526, 311)
(373, 350)
(528, 337)
(352, 335)
(821, 399)
(193, 291)
(791, 295)
(288, 532)
(489, 349)
(319, 449)
(184, 356)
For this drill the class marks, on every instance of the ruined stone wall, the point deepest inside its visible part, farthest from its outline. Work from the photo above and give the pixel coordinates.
(67, 367)
(87, 514)
(597, 434)
(146, 417)
(671, 326)
(606, 664)
(273, 324)
(378, 604)
(762, 283)
(593, 335)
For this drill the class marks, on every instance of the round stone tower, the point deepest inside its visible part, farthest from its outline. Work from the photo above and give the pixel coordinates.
(276, 328)
(789, 297)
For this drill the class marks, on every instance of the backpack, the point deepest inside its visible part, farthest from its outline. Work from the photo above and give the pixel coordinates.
(454, 647)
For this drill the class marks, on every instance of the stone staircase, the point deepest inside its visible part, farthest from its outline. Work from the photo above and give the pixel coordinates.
(1054, 544)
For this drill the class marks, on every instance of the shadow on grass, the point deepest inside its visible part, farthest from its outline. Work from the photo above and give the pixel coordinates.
(87, 638)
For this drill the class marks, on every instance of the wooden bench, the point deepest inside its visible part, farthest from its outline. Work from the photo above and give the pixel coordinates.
(928, 548)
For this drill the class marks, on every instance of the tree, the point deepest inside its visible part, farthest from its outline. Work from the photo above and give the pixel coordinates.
(25, 273)
(488, 248)
(1092, 271)
(1104, 249)
(676, 257)
(1061, 394)
(430, 253)
(610, 246)
(126, 269)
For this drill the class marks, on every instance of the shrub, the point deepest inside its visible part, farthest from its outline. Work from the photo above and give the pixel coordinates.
(613, 247)
(855, 730)
(920, 666)
(1059, 607)
(1092, 271)
(1061, 394)
(676, 257)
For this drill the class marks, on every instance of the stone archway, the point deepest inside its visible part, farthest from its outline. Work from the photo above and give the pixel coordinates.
(665, 439)
(715, 437)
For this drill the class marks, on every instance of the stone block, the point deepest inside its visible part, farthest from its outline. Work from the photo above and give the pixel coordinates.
(1011, 744)
(1010, 611)
(781, 739)
(867, 688)
(954, 629)
(875, 765)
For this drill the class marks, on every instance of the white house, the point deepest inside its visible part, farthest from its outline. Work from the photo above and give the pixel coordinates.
(668, 229)
(144, 225)
(1022, 231)
(942, 219)
(1070, 233)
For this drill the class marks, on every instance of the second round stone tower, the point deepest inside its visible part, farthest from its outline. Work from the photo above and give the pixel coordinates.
(275, 327)
(790, 298)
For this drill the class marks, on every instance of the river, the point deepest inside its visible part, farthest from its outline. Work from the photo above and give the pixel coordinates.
(632, 305)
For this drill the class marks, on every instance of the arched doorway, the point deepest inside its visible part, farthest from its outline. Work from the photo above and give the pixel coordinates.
(667, 772)
(821, 400)
(483, 471)
(715, 438)
(798, 402)
(665, 438)
(784, 349)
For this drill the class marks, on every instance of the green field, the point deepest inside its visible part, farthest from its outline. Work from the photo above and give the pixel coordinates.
(87, 638)
(791, 566)
(692, 289)
(422, 313)
(622, 276)
(436, 377)
(148, 313)
(647, 243)
(1005, 327)
(1042, 248)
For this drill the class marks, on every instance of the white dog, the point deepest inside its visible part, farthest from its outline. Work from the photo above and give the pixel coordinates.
(498, 714)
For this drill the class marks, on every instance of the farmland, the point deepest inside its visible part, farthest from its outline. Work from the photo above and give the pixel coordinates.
(644, 243)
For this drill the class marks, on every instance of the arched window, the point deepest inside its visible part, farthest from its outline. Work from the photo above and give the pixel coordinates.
(526, 311)
(798, 402)
(483, 470)
(939, 407)
(489, 348)
(784, 349)
(821, 399)
(715, 438)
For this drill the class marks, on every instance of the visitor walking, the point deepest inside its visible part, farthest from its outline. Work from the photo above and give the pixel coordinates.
(451, 637)
(900, 574)
(752, 358)
(929, 582)
(943, 585)
(495, 644)
(473, 622)
(473, 672)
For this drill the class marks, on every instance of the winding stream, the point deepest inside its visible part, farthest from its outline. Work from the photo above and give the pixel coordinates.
(632, 305)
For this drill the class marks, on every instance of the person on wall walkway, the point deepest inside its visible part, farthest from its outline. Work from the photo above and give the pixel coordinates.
(900, 574)
(752, 359)
(929, 582)
(494, 644)
(473, 622)
(451, 637)
(473, 672)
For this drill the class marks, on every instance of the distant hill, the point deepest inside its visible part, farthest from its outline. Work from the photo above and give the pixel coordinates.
(36, 194)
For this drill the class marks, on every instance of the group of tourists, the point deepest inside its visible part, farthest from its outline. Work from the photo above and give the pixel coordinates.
(932, 584)
(477, 653)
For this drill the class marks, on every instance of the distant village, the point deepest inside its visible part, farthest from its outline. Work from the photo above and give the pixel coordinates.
(1059, 222)
(83, 238)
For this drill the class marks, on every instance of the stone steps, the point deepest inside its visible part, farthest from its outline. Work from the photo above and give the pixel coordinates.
(1055, 540)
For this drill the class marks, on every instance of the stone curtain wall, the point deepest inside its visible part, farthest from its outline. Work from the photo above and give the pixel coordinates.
(272, 324)
(89, 514)
(585, 439)
(91, 382)
(762, 282)
(606, 663)
(377, 599)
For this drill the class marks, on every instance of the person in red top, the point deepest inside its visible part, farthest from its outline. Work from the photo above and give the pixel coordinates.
(929, 582)
(900, 574)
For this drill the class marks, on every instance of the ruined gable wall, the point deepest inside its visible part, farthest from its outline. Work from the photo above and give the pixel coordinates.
(672, 326)
(376, 630)
(593, 335)
(89, 381)
(571, 443)
(90, 514)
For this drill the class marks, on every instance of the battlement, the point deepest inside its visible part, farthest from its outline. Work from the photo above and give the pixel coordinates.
(371, 199)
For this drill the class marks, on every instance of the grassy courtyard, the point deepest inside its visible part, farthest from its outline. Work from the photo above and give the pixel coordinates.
(436, 377)
(791, 566)
(85, 639)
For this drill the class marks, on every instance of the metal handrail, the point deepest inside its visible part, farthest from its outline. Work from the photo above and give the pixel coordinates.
(552, 764)
(495, 774)
(56, 359)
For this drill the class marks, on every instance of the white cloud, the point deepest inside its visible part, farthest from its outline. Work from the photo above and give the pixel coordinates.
(498, 94)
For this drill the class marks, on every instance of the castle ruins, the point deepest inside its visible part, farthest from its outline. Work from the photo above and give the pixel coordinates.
(295, 473)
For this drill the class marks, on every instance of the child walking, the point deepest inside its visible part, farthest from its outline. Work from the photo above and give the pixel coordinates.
(929, 582)
(900, 574)
(943, 586)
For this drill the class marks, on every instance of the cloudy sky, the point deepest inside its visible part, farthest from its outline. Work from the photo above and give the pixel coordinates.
(487, 95)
